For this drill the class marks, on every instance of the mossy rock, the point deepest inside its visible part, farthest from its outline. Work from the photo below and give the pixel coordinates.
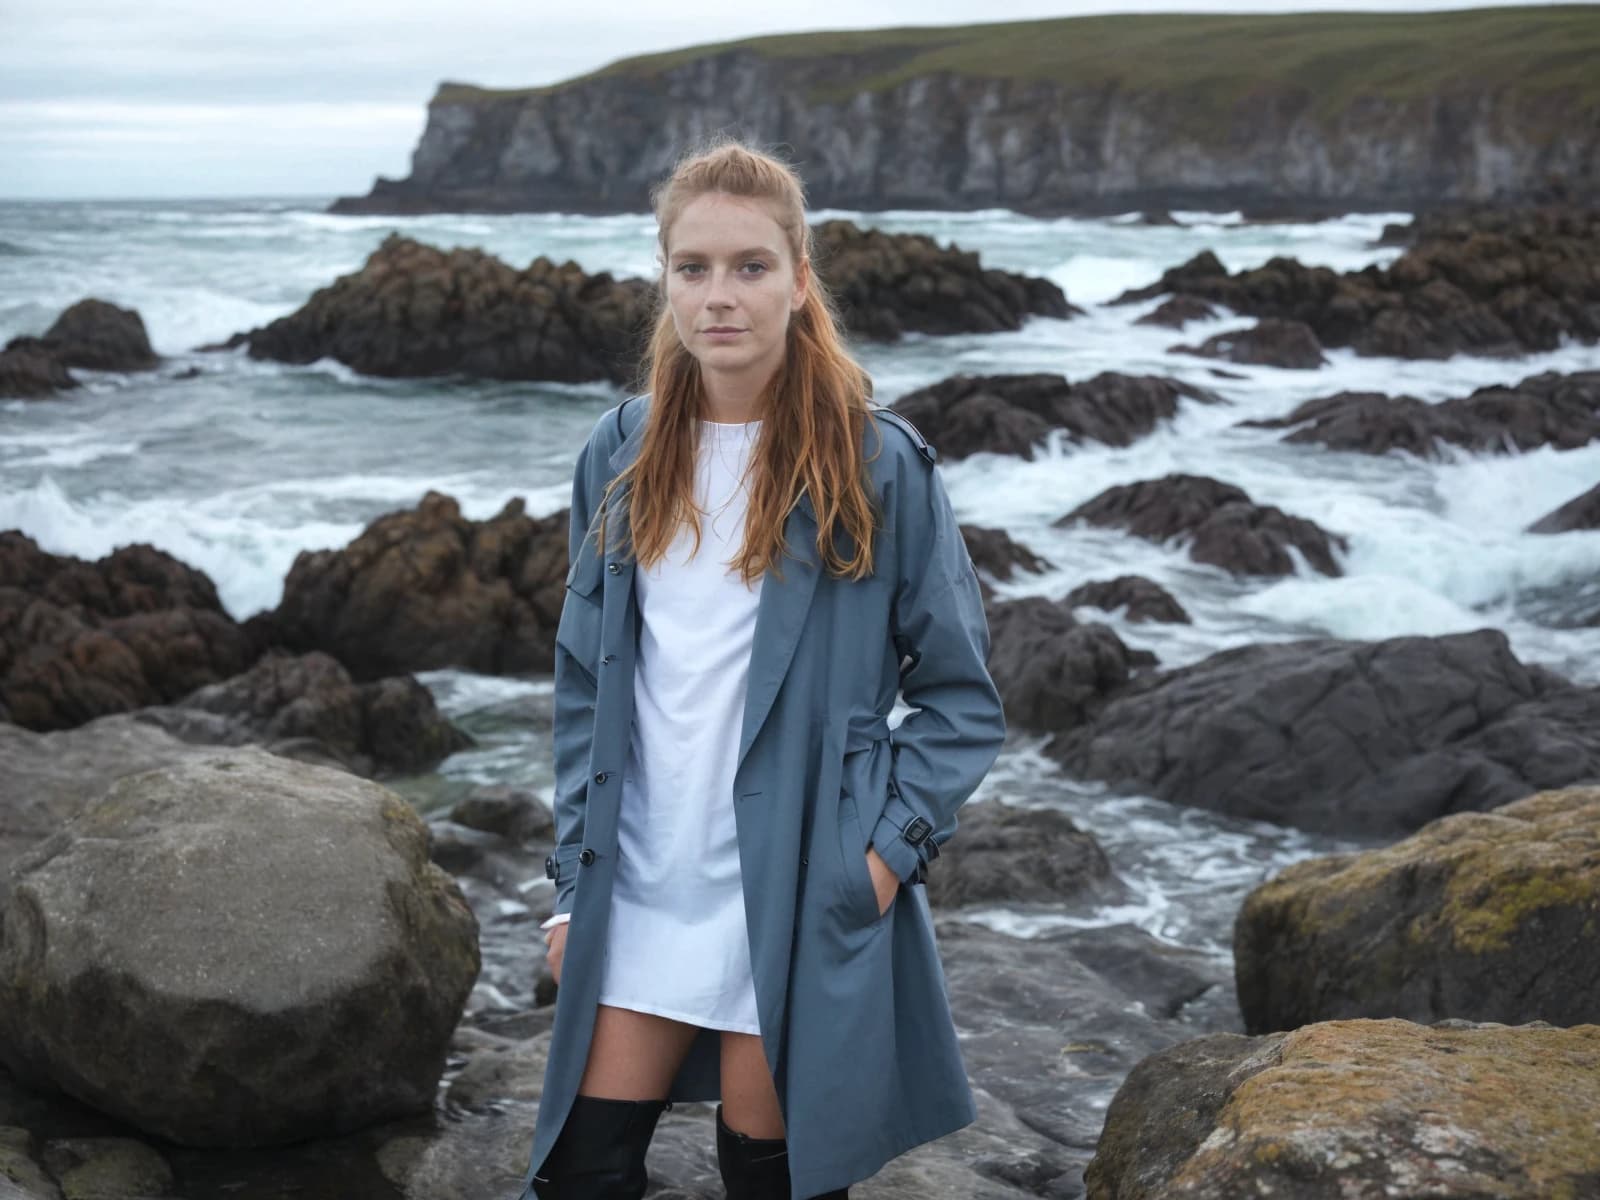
(1359, 1108)
(1481, 916)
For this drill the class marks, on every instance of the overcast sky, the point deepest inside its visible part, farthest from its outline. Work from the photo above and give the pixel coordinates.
(107, 98)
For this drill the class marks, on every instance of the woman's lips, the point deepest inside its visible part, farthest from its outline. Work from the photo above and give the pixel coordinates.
(722, 334)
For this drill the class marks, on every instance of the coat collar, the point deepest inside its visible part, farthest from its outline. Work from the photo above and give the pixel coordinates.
(780, 612)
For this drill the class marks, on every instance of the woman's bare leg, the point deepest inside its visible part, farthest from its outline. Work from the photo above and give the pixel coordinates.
(749, 1100)
(634, 1055)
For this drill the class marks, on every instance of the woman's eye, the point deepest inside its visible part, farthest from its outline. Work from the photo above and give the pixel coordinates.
(759, 266)
(688, 268)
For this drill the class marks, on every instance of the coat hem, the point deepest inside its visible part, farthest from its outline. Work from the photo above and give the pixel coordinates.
(819, 1180)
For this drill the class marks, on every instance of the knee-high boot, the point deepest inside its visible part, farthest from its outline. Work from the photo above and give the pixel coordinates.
(599, 1154)
(757, 1168)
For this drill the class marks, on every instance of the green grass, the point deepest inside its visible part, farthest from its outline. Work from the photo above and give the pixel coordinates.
(1206, 63)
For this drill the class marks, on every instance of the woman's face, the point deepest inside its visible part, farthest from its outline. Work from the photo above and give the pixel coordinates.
(731, 285)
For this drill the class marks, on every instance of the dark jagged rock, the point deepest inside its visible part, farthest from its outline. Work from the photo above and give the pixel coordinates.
(1550, 409)
(1013, 414)
(307, 707)
(1052, 671)
(101, 337)
(29, 371)
(79, 640)
(1144, 599)
(1521, 286)
(1358, 1108)
(1178, 312)
(1227, 528)
(1581, 512)
(414, 310)
(889, 284)
(1003, 854)
(200, 918)
(1270, 343)
(428, 588)
(512, 813)
(1480, 916)
(997, 555)
(1348, 737)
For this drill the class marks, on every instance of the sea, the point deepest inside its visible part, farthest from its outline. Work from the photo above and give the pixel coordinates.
(236, 466)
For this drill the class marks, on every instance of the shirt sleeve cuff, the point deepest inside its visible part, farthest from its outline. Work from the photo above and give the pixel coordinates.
(558, 919)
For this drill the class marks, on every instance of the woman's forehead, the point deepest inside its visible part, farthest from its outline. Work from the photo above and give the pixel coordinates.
(716, 224)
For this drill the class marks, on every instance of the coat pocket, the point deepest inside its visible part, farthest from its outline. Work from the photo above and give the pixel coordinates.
(861, 898)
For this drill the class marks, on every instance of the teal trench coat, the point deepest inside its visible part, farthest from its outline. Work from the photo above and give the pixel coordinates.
(854, 1014)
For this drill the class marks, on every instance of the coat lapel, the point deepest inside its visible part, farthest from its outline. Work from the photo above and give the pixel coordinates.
(780, 613)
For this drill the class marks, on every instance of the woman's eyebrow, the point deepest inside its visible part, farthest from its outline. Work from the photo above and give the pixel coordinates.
(751, 252)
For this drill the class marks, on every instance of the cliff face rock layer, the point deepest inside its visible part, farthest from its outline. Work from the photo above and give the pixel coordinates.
(1283, 112)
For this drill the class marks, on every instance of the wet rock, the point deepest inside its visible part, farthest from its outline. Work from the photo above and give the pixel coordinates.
(1178, 311)
(101, 337)
(80, 640)
(1348, 737)
(1359, 1108)
(105, 1168)
(1551, 409)
(259, 904)
(996, 555)
(1224, 526)
(1143, 599)
(1520, 283)
(1013, 414)
(890, 284)
(1581, 512)
(428, 588)
(515, 814)
(1270, 343)
(1483, 916)
(1053, 672)
(1002, 854)
(307, 707)
(28, 371)
(415, 311)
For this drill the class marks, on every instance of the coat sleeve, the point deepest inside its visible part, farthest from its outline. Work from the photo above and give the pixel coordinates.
(942, 751)
(574, 710)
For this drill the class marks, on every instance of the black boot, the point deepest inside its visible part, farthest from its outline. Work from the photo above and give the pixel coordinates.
(757, 1168)
(599, 1154)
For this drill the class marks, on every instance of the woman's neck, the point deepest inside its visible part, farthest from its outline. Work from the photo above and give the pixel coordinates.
(733, 401)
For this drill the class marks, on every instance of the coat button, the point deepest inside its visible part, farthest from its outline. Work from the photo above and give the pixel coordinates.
(550, 869)
(599, 776)
(614, 568)
(587, 857)
(608, 660)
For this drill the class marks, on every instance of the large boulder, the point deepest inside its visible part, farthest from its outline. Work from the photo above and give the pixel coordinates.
(1013, 414)
(1272, 343)
(429, 588)
(1550, 409)
(1345, 737)
(1052, 671)
(1222, 524)
(890, 284)
(80, 640)
(100, 336)
(1522, 283)
(307, 707)
(1485, 916)
(237, 950)
(1138, 598)
(1581, 512)
(414, 310)
(997, 555)
(1358, 1109)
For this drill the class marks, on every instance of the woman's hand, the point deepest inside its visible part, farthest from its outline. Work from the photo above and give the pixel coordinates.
(555, 941)
(884, 881)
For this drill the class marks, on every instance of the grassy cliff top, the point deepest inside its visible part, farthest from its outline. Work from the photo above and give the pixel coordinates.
(1211, 59)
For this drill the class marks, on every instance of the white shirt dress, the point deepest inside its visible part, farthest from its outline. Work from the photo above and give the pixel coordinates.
(677, 945)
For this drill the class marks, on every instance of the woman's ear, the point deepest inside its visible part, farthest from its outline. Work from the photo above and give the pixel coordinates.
(802, 284)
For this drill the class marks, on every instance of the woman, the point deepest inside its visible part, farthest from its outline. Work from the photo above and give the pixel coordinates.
(760, 561)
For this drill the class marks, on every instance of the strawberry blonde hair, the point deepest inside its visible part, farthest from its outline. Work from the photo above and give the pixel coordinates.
(813, 412)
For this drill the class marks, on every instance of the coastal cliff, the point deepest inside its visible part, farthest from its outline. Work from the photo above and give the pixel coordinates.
(1272, 114)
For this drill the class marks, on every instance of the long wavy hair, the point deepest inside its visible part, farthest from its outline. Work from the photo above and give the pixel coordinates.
(814, 411)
